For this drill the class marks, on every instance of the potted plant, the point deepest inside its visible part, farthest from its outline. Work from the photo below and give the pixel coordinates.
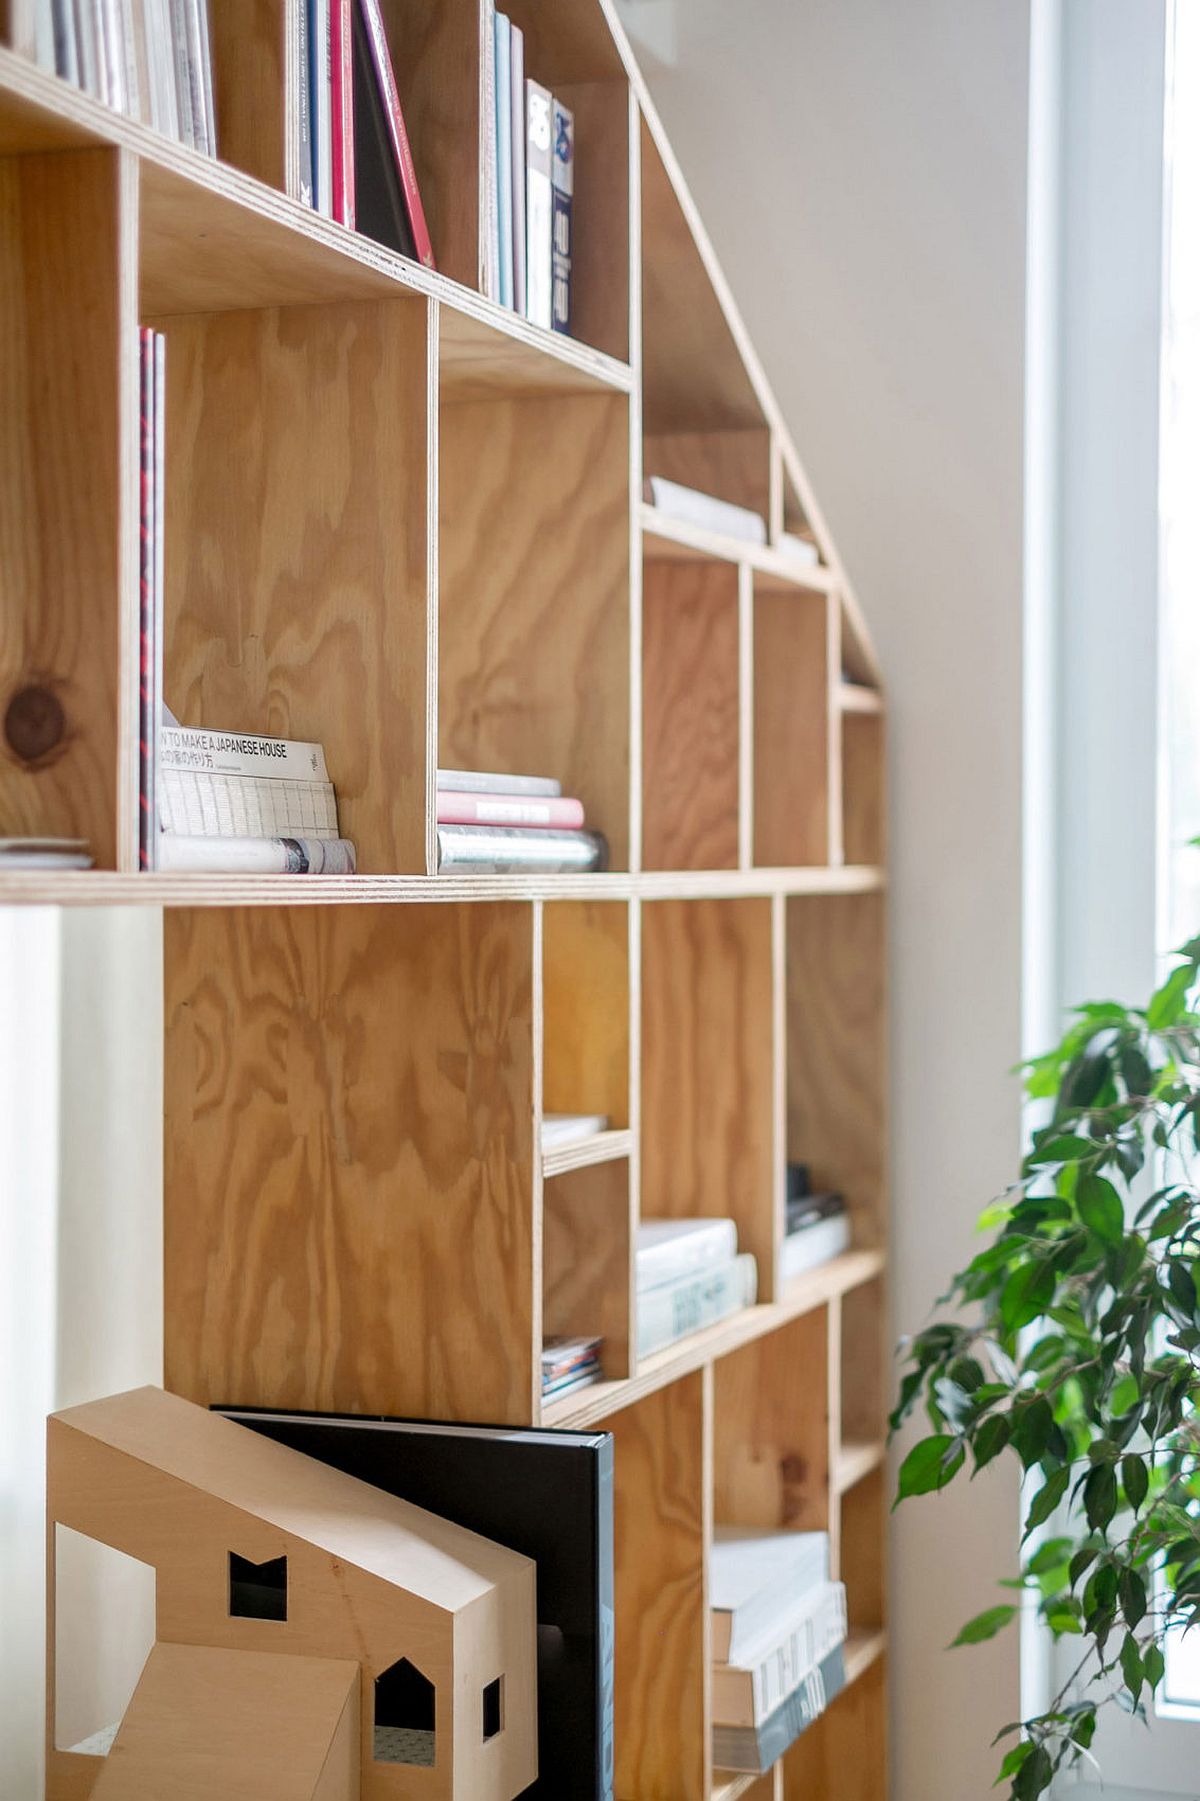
(1071, 1342)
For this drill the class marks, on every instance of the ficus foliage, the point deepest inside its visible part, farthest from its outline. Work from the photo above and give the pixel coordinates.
(1071, 1343)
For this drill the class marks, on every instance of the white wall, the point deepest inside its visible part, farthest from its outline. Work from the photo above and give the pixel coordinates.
(861, 165)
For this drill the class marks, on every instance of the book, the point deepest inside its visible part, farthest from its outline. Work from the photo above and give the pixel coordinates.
(568, 1364)
(320, 62)
(241, 753)
(755, 1575)
(379, 208)
(674, 1310)
(692, 507)
(147, 738)
(503, 126)
(810, 1209)
(456, 807)
(748, 1692)
(202, 803)
(562, 181)
(401, 149)
(754, 1749)
(480, 781)
(88, 47)
(255, 856)
(670, 1248)
(45, 853)
(194, 75)
(539, 204)
(131, 35)
(183, 86)
(517, 111)
(43, 36)
(813, 1245)
(546, 1494)
(341, 50)
(509, 850)
(66, 41)
(800, 550)
(559, 1130)
(299, 16)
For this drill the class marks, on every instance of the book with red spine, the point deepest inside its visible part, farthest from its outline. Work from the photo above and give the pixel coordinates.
(397, 131)
(342, 59)
(457, 808)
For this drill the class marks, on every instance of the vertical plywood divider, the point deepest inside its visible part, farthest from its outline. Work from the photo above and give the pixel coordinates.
(662, 1535)
(794, 727)
(68, 518)
(349, 1100)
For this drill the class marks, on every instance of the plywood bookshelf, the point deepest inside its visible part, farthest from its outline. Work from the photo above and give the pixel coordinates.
(409, 524)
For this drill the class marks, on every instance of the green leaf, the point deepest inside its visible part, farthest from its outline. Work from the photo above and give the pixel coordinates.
(1169, 1003)
(1014, 1759)
(1080, 1564)
(1047, 1499)
(1100, 1496)
(930, 1465)
(990, 1438)
(1034, 1776)
(985, 1625)
(1131, 1666)
(1027, 1294)
(1032, 1425)
(1153, 1666)
(1100, 1208)
(1062, 1147)
(1132, 1591)
(1135, 1480)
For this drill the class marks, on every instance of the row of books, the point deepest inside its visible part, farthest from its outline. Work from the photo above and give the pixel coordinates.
(778, 1630)
(497, 824)
(352, 151)
(690, 506)
(150, 59)
(529, 183)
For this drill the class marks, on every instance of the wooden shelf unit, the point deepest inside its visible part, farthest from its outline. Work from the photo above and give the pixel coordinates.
(404, 522)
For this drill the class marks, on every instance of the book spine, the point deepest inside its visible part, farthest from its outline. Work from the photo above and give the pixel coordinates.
(158, 27)
(66, 43)
(480, 781)
(112, 56)
(705, 511)
(747, 1693)
(539, 204)
(256, 856)
(508, 809)
(203, 804)
(690, 1254)
(197, 99)
(41, 47)
(89, 56)
(401, 148)
(322, 106)
(147, 809)
(606, 1728)
(303, 115)
(343, 112)
(563, 182)
(517, 110)
(489, 200)
(667, 1314)
(242, 754)
(504, 850)
(206, 77)
(759, 1747)
(135, 79)
(183, 85)
(504, 157)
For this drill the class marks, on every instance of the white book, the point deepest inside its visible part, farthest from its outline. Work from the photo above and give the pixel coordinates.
(483, 781)
(799, 550)
(814, 1245)
(135, 97)
(241, 753)
(255, 856)
(692, 507)
(87, 38)
(42, 46)
(489, 220)
(322, 105)
(670, 1248)
(161, 57)
(206, 78)
(673, 1310)
(562, 1129)
(767, 1670)
(539, 205)
(504, 213)
(183, 86)
(44, 853)
(112, 44)
(204, 804)
(755, 1577)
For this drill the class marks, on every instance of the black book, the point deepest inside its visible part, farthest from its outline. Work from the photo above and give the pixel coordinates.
(547, 1494)
(379, 209)
(812, 1209)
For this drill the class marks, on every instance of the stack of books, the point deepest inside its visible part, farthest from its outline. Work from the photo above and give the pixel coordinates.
(569, 1363)
(779, 1625)
(688, 1275)
(352, 149)
(559, 1130)
(817, 1225)
(150, 59)
(44, 853)
(500, 824)
(529, 183)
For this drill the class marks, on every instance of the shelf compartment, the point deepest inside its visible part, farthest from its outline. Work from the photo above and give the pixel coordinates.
(68, 443)
(796, 740)
(586, 989)
(587, 1228)
(836, 1051)
(662, 1531)
(667, 540)
(865, 1365)
(534, 632)
(772, 1429)
(860, 1562)
(711, 1132)
(349, 1100)
(691, 716)
(298, 553)
(857, 1460)
(864, 797)
(843, 1755)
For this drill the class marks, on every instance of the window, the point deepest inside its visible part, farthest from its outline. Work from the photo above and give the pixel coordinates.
(405, 1707)
(257, 1591)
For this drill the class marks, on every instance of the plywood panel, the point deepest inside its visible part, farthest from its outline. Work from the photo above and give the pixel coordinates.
(861, 1563)
(837, 1032)
(256, 77)
(690, 713)
(733, 465)
(67, 342)
(866, 1349)
(298, 549)
(864, 799)
(708, 1136)
(349, 1160)
(535, 575)
(843, 1757)
(585, 953)
(662, 1532)
(586, 1257)
(794, 727)
(772, 1429)
(600, 245)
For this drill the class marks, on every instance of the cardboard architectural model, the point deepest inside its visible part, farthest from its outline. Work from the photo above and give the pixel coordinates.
(314, 1638)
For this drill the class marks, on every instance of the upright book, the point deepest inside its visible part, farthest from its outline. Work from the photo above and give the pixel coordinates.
(563, 185)
(385, 76)
(539, 203)
(546, 1494)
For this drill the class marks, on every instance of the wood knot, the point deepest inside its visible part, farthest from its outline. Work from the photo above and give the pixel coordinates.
(34, 723)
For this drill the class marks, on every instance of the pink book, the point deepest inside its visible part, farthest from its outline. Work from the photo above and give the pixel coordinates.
(343, 112)
(507, 809)
(401, 148)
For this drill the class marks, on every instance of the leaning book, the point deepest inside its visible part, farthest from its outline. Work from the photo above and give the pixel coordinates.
(753, 1749)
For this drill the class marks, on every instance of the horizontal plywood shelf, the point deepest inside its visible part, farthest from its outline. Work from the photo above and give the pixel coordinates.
(856, 697)
(667, 540)
(602, 1147)
(863, 1648)
(858, 1460)
(807, 1292)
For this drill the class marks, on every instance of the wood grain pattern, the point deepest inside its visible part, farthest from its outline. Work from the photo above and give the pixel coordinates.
(794, 726)
(837, 1035)
(772, 1429)
(299, 547)
(585, 975)
(65, 332)
(691, 746)
(349, 1100)
(587, 1260)
(601, 1147)
(667, 540)
(864, 797)
(709, 1145)
(862, 1550)
(256, 77)
(865, 1362)
(662, 1533)
(733, 465)
(843, 1756)
(535, 575)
